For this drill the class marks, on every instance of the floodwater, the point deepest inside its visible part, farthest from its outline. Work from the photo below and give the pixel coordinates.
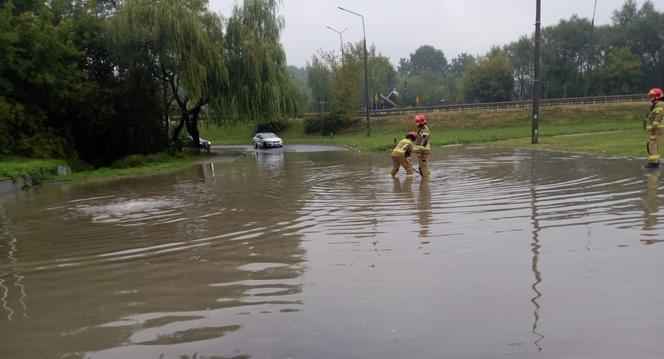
(291, 254)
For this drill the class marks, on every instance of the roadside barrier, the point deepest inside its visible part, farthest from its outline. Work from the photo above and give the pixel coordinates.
(507, 105)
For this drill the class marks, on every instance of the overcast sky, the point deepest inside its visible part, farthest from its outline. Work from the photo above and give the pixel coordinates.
(397, 28)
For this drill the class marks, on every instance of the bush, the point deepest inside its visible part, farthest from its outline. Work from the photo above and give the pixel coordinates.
(276, 125)
(142, 160)
(327, 123)
(78, 165)
(129, 161)
(46, 144)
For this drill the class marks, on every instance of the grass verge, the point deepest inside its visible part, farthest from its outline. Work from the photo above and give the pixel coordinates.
(16, 167)
(134, 166)
(629, 143)
(509, 127)
(131, 166)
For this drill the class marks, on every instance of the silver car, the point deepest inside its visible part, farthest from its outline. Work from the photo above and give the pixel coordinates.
(267, 140)
(204, 143)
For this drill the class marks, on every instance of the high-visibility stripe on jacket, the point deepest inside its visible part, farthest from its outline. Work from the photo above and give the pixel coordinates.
(655, 115)
(423, 139)
(403, 148)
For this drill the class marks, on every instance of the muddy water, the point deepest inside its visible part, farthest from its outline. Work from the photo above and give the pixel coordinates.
(502, 254)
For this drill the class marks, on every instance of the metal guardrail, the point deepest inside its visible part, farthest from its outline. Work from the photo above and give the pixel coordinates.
(507, 105)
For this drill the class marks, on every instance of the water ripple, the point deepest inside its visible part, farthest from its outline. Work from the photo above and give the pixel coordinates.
(217, 257)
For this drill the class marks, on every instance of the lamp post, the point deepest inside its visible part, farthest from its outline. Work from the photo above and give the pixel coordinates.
(341, 39)
(366, 75)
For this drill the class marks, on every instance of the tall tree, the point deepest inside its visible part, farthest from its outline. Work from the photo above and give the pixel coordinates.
(298, 76)
(423, 76)
(627, 14)
(299, 73)
(565, 56)
(425, 61)
(259, 85)
(319, 80)
(641, 30)
(490, 79)
(181, 43)
(382, 76)
(622, 73)
(346, 86)
(60, 94)
(429, 93)
(520, 54)
(39, 80)
(457, 68)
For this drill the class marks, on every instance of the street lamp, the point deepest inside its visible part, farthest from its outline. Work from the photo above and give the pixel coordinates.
(366, 75)
(341, 39)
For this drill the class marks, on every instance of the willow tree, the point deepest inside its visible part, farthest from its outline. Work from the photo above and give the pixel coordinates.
(181, 43)
(259, 86)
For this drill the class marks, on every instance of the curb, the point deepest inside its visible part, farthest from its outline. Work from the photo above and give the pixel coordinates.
(8, 185)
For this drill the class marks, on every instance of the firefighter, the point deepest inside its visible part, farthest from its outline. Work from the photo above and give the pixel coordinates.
(654, 126)
(422, 145)
(401, 154)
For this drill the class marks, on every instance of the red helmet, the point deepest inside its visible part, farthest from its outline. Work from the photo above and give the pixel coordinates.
(412, 135)
(656, 94)
(420, 119)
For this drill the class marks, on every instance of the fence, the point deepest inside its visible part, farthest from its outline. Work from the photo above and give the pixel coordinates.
(507, 105)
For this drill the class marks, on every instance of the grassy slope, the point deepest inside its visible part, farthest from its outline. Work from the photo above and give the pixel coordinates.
(473, 127)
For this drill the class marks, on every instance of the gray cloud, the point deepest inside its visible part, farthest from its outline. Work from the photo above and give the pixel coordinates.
(397, 28)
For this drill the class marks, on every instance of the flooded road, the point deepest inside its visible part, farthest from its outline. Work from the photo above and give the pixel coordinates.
(287, 254)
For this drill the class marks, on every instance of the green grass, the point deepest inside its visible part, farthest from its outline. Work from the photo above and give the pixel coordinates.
(469, 127)
(134, 166)
(239, 133)
(630, 143)
(131, 166)
(16, 167)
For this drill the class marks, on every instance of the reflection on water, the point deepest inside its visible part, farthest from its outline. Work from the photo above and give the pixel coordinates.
(501, 254)
(270, 159)
(536, 246)
(12, 289)
(425, 217)
(651, 207)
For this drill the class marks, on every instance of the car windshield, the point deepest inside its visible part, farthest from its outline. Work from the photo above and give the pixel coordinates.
(269, 135)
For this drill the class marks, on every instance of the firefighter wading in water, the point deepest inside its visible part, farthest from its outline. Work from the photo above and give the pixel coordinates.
(401, 153)
(422, 145)
(654, 127)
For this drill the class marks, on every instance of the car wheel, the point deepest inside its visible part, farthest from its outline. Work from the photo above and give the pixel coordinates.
(255, 145)
(264, 145)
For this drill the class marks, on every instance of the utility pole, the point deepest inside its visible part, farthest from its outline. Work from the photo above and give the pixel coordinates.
(536, 77)
(591, 53)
